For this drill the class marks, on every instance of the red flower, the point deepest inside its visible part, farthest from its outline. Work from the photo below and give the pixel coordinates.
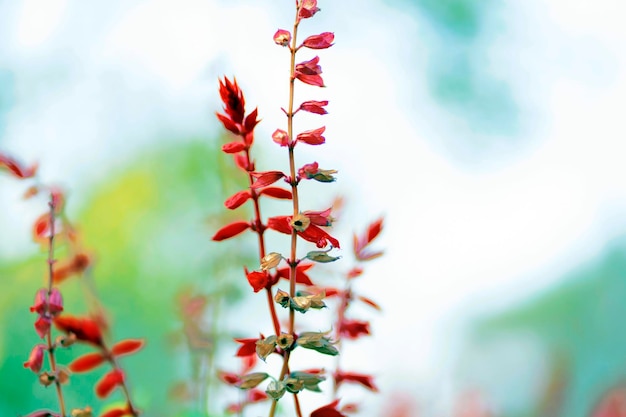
(87, 362)
(16, 169)
(301, 276)
(312, 137)
(352, 329)
(321, 41)
(276, 193)
(282, 37)
(309, 72)
(234, 103)
(109, 381)
(75, 265)
(247, 348)
(127, 346)
(363, 241)
(237, 199)
(42, 326)
(365, 380)
(307, 9)
(230, 230)
(35, 359)
(264, 179)
(257, 279)
(312, 233)
(314, 106)
(229, 377)
(83, 328)
(320, 218)
(329, 410)
(281, 137)
(233, 147)
(55, 302)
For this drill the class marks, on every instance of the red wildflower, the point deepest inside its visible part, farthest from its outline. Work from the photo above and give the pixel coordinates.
(255, 396)
(247, 348)
(233, 147)
(321, 41)
(352, 329)
(312, 137)
(109, 381)
(282, 37)
(42, 326)
(55, 302)
(83, 328)
(230, 230)
(87, 362)
(365, 380)
(363, 241)
(264, 179)
(237, 199)
(320, 218)
(307, 9)
(42, 227)
(35, 359)
(229, 377)
(301, 276)
(309, 72)
(281, 137)
(16, 169)
(314, 106)
(329, 410)
(257, 279)
(276, 193)
(312, 233)
(41, 303)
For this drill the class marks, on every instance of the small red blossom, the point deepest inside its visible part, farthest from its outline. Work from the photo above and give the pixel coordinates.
(16, 169)
(307, 9)
(87, 362)
(312, 137)
(41, 303)
(233, 147)
(329, 410)
(237, 199)
(282, 37)
(127, 346)
(35, 359)
(255, 396)
(230, 230)
(312, 233)
(366, 380)
(321, 41)
(320, 218)
(229, 378)
(83, 328)
(257, 279)
(109, 381)
(55, 302)
(281, 137)
(247, 348)
(313, 106)
(42, 326)
(309, 72)
(264, 179)
(352, 329)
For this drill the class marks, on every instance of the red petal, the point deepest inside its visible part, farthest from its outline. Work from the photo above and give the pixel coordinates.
(84, 329)
(251, 121)
(318, 236)
(242, 162)
(237, 199)
(16, 169)
(276, 193)
(87, 362)
(108, 383)
(127, 346)
(313, 106)
(229, 377)
(41, 228)
(329, 410)
(369, 302)
(264, 179)
(314, 79)
(321, 41)
(312, 137)
(117, 412)
(230, 230)
(365, 380)
(248, 347)
(258, 280)
(233, 147)
(280, 224)
(301, 276)
(256, 395)
(228, 124)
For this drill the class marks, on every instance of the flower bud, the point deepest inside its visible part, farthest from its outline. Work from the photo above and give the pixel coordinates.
(252, 380)
(281, 137)
(321, 256)
(282, 298)
(275, 390)
(293, 385)
(264, 347)
(35, 360)
(282, 37)
(271, 260)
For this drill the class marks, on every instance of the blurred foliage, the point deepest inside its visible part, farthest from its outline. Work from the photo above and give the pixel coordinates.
(578, 326)
(149, 228)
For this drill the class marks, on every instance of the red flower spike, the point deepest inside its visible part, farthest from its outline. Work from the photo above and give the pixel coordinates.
(264, 179)
(282, 37)
(87, 362)
(301, 276)
(109, 381)
(233, 147)
(85, 329)
(234, 103)
(313, 106)
(369, 302)
(352, 329)
(312, 137)
(42, 326)
(309, 72)
(276, 193)
(321, 41)
(257, 279)
(237, 199)
(329, 410)
(117, 412)
(230, 230)
(248, 347)
(35, 359)
(250, 123)
(366, 380)
(127, 346)
(16, 169)
(229, 124)
(280, 137)
(307, 9)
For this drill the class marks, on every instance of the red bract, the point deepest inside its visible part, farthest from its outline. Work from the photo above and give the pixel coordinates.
(127, 346)
(309, 72)
(87, 362)
(329, 410)
(314, 106)
(16, 169)
(233, 147)
(237, 199)
(307, 9)
(352, 329)
(264, 179)
(282, 37)
(83, 328)
(35, 359)
(232, 97)
(276, 193)
(230, 230)
(312, 137)
(257, 279)
(321, 41)
(109, 381)
(366, 380)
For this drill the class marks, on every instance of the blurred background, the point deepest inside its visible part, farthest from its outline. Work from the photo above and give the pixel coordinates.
(488, 134)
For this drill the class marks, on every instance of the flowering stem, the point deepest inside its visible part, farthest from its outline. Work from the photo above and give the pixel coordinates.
(51, 358)
(129, 403)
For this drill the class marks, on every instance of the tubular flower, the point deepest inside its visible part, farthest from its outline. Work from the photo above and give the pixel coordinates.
(309, 72)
